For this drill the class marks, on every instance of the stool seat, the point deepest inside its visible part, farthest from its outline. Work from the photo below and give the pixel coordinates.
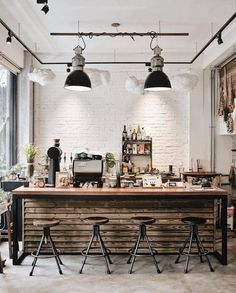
(46, 223)
(193, 220)
(143, 220)
(96, 220)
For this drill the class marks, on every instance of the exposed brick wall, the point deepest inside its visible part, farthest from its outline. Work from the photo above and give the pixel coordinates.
(95, 120)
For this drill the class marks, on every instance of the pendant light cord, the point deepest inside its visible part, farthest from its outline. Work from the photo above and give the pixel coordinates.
(81, 38)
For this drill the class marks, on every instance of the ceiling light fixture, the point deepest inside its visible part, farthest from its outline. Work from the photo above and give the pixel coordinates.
(9, 38)
(157, 80)
(219, 39)
(45, 9)
(78, 80)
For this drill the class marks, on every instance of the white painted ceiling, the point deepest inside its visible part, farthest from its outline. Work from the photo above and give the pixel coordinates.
(200, 18)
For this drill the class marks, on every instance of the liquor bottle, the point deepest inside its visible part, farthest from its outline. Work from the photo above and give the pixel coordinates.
(64, 162)
(134, 135)
(139, 135)
(124, 134)
(130, 134)
(143, 134)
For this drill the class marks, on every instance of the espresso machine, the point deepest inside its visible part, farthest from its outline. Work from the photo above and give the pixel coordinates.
(87, 170)
(54, 154)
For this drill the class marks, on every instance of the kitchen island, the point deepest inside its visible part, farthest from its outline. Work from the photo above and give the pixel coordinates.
(166, 205)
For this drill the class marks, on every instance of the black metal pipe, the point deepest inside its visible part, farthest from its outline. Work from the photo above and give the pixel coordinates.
(214, 37)
(19, 40)
(119, 34)
(121, 62)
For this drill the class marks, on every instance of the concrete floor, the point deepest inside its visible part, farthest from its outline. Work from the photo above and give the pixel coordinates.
(46, 278)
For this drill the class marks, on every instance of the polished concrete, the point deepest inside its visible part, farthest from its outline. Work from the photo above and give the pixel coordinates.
(46, 278)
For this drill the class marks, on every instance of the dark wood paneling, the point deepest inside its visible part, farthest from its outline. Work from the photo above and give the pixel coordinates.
(72, 235)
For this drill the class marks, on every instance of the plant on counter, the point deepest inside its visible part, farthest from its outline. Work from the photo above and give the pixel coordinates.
(110, 160)
(30, 150)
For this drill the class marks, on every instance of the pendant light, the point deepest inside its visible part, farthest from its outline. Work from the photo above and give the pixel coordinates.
(157, 80)
(78, 80)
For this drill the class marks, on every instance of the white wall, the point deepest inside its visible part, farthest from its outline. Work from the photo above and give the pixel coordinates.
(95, 120)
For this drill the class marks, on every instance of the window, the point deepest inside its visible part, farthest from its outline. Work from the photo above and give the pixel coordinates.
(7, 119)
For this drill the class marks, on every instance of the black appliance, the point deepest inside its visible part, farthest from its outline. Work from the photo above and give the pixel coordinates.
(54, 154)
(87, 170)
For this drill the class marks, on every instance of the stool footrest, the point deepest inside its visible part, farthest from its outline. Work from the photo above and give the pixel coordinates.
(44, 254)
(143, 254)
(95, 254)
(204, 253)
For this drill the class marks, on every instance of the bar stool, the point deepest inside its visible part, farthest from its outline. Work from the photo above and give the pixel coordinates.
(142, 222)
(46, 237)
(96, 222)
(193, 222)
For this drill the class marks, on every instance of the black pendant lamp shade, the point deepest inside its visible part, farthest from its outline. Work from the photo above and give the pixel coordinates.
(157, 80)
(78, 80)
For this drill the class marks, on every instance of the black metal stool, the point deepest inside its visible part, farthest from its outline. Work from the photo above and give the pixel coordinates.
(193, 222)
(142, 222)
(46, 237)
(96, 222)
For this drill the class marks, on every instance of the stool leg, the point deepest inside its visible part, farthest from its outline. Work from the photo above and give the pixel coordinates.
(55, 253)
(87, 252)
(152, 254)
(135, 251)
(105, 249)
(103, 252)
(189, 251)
(132, 251)
(198, 247)
(37, 253)
(183, 248)
(203, 249)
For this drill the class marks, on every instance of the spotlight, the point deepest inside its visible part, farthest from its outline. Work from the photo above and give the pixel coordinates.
(45, 9)
(219, 39)
(8, 40)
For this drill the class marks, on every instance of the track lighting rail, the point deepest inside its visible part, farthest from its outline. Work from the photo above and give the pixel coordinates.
(151, 34)
(104, 62)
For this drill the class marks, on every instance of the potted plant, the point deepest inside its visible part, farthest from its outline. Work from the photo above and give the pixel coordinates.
(110, 161)
(30, 151)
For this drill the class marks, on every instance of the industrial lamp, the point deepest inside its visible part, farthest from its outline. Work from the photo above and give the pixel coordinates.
(157, 80)
(78, 80)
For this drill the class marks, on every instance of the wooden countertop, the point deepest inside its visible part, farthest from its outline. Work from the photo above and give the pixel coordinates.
(202, 173)
(72, 191)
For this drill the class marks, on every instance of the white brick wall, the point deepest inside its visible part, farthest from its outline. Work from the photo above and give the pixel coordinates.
(95, 120)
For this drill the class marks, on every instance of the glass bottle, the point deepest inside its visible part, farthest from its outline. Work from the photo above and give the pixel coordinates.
(139, 135)
(134, 135)
(64, 162)
(143, 134)
(130, 135)
(124, 133)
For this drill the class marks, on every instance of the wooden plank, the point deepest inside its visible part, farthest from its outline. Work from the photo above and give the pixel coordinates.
(167, 233)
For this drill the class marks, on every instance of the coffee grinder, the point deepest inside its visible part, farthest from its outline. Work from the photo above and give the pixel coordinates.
(54, 154)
